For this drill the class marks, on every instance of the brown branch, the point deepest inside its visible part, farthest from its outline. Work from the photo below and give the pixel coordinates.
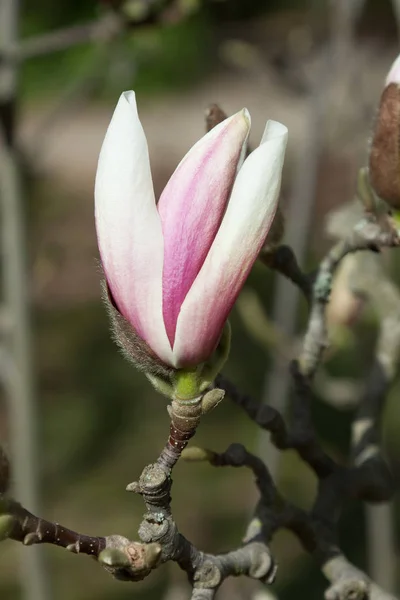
(283, 260)
(29, 529)
(372, 280)
(374, 481)
(268, 418)
(206, 571)
(315, 530)
(367, 479)
(273, 511)
(367, 235)
(124, 559)
(349, 582)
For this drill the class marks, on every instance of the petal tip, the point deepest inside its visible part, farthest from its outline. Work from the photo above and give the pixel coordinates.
(246, 116)
(274, 130)
(241, 121)
(394, 72)
(129, 96)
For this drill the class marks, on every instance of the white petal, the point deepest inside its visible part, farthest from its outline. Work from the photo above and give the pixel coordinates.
(394, 74)
(242, 233)
(128, 226)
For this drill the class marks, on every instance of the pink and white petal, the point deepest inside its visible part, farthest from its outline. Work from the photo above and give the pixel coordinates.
(243, 230)
(192, 205)
(129, 228)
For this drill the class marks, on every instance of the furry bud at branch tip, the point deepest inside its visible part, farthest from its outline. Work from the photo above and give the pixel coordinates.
(384, 157)
(174, 269)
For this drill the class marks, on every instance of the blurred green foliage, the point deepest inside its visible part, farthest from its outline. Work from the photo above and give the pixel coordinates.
(152, 59)
(158, 58)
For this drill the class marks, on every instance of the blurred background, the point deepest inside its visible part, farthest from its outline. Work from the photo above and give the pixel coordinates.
(88, 422)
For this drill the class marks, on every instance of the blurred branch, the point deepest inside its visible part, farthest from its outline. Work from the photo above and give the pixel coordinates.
(341, 393)
(160, 540)
(316, 530)
(298, 223)
(108, 26)
(330, 63)
(260, 327)
(368, 478)
(372, 280)
(270, 419)
(349, 582)
(19, 382)
(283, 260)
(382, 546)
(72, 98)
(369, 234)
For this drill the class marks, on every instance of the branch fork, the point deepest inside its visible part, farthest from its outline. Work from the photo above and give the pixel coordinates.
(367, 477)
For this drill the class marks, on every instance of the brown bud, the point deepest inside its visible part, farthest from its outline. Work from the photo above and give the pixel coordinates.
(214, 115)
(384, 158)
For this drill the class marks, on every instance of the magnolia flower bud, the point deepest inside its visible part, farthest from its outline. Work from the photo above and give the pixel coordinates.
(384, 158)
(174, 270)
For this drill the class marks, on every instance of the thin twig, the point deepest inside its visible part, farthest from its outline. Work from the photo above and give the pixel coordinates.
(372, 280)
(367, 235)
(29, 529)
(316, 530)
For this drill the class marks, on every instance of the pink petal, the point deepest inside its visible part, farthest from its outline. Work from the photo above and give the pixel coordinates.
(192, 205)
(243, 230)
(129, 228)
